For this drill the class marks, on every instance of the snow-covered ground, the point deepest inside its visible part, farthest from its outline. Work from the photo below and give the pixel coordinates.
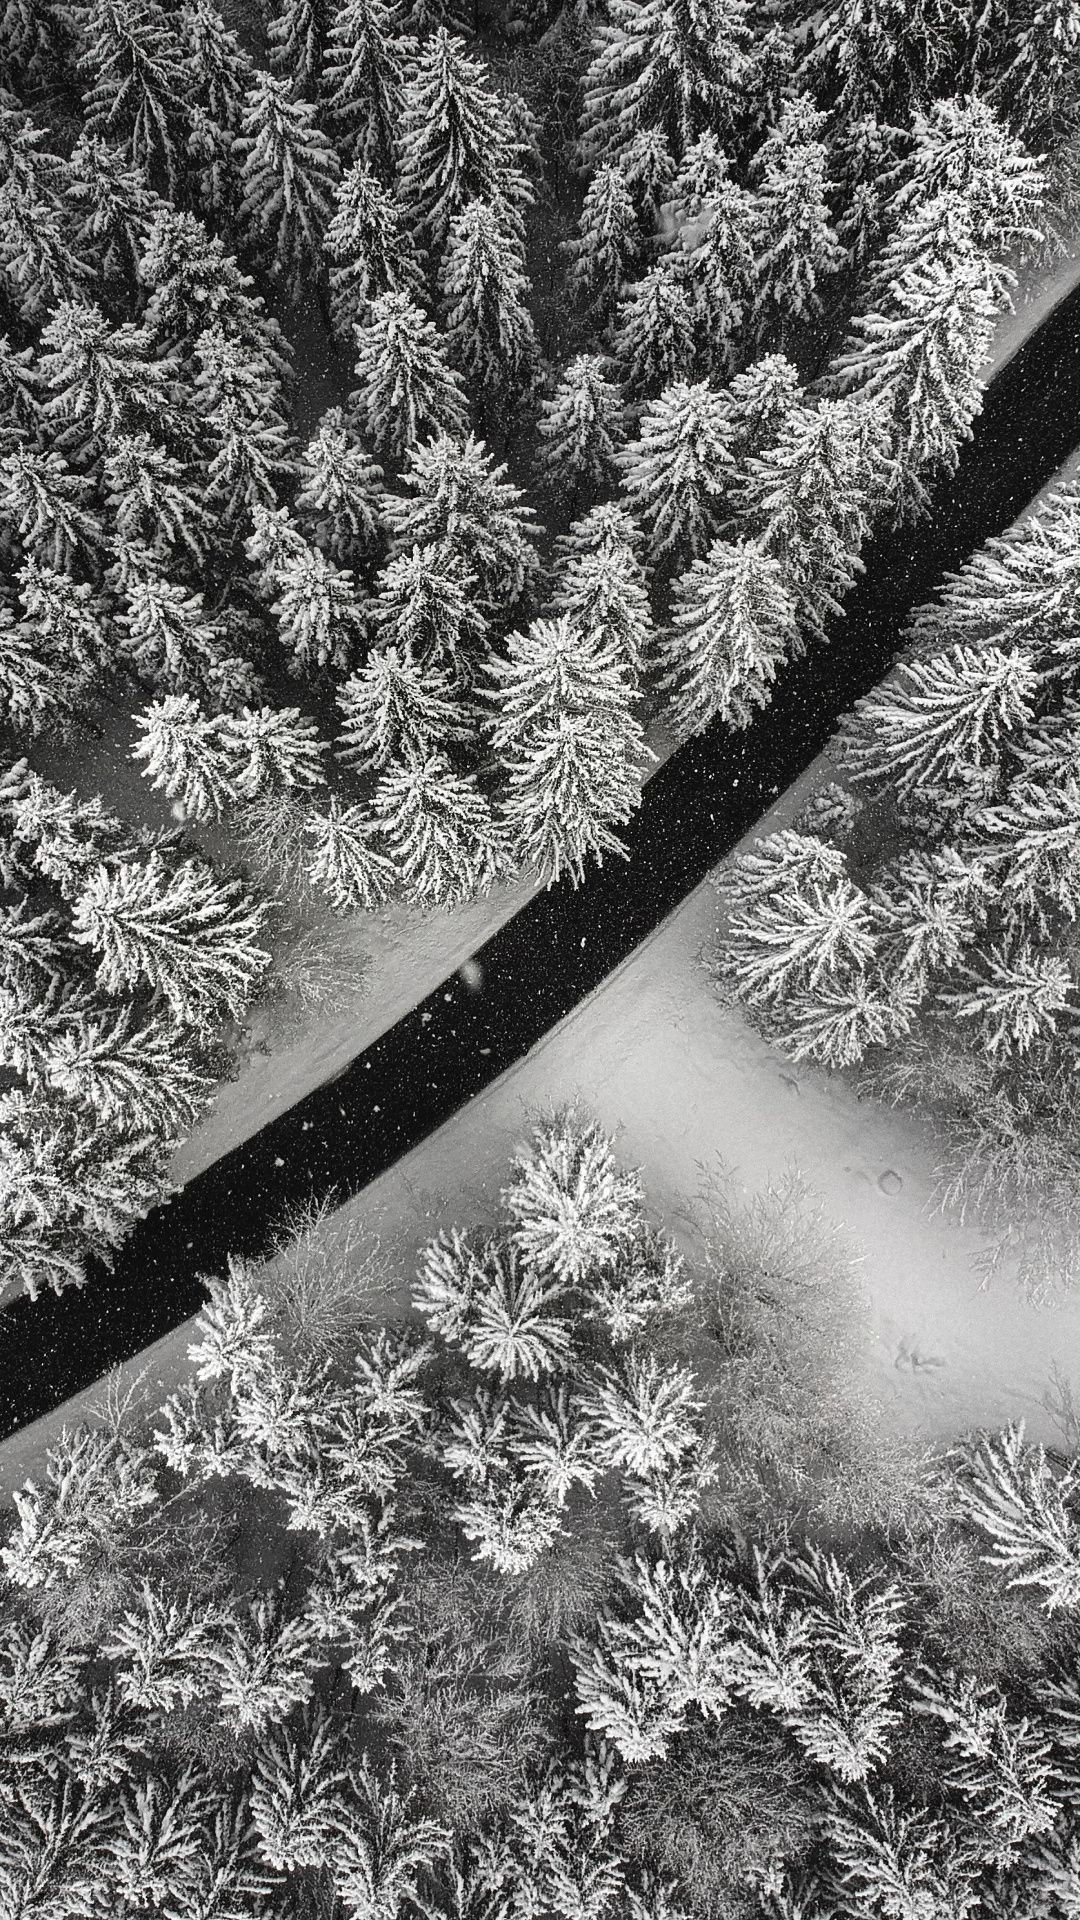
(402, 953)
(682, 1083)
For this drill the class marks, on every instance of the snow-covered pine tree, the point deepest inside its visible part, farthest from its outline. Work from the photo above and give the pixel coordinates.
(363, 84)
(1027, 1510)
(20, 396)
(575, 1211)
(238, 392)
(389, 1848)
(605, 593)
(882, 59)
(847, 1713)
(1020, 589)
(138, 1076)
(1014, 992)
(438, 831)
(290, 171)
(570, 746)
(678, 471)
(407, 388)
(272, 748)
(185, 755)
(162, 1646)
(339, 501)
(180, 931)
(811, 495)
(274, 539)
(866, 165)
(655, 339)
(64, 618)
(760, 400)
(1027, 849)
(169, 639)
(425, 606)
(457, 143)
(149, 502)
(319, 612)
(650, 169)
(665, 64)
(99, 381)
(927, 909)
(605, 528)
(137, 84)
(370, 247)
(38, 264)
(999, 1762)
(195, 286)
(961, 147)
(456, 494)
(113, 209)
(222, 75)
(41, 690)
(801, 927)
(295, 41)
(1034, 86)
(609, 246)
(797, 248)
(67, 1190)
(719, 248)
(263, 1664)
(346, 862)
(299, 1791)
(582, 427)
(941, 721)
(732, 627)
(484, 293)
(397, 710)
(890, 1854)
(50, 509)
(919, 358)
(68, 837)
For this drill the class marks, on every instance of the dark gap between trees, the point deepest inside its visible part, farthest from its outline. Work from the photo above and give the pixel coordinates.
(561, 945)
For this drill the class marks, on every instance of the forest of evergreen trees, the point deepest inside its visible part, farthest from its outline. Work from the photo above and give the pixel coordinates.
(638, 321)
(402, 411)
(585, 1590)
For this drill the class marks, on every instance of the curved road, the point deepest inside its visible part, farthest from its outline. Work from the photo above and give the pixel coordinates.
(561, 944)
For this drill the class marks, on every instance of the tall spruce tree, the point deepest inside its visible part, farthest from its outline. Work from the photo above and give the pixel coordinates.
(582, 427)
(397, 710)
(609, 246)
(456, 493)
(295, 40)
(732, 628)
(570, 747)
(425, 605)
(289, 174)
(485, 315)
(664, 64)
(407, 388)
(180, 932)
(797, 247)
(457, 142)
(138, 82)
(339, 501)
(222, 75)
(813, 494)
(363, 82)
(439, 832)
(655, 340)
(370, 246)
(678, 471)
